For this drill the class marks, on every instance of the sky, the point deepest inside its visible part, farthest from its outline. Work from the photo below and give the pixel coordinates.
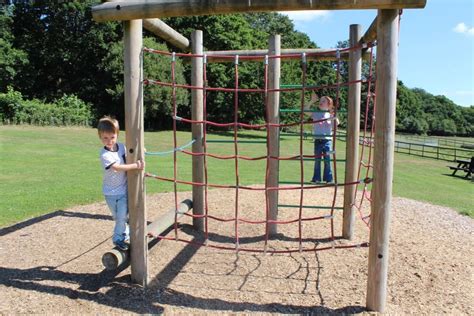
(436, 44)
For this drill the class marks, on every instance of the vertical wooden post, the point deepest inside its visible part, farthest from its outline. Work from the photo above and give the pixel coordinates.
(386, 92)
(353, 126)
(133, 91)
(274, 132)
(197, 107)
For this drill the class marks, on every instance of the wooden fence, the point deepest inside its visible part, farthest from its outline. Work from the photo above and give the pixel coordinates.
(421, 149)
(431, 151)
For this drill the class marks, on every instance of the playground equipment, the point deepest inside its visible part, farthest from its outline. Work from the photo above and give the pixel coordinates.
(384, 29)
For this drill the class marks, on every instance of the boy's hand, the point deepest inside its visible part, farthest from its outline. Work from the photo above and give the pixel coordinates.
(140, 164)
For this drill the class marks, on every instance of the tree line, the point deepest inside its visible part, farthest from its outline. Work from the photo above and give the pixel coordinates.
(52, 51)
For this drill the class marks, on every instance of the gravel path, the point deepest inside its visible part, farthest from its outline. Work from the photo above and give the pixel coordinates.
(52, 264)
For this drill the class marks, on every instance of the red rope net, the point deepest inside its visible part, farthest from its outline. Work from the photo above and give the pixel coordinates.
(365, 161)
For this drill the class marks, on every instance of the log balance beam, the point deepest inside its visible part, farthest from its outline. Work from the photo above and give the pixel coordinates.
(132, 10)
(116, 258)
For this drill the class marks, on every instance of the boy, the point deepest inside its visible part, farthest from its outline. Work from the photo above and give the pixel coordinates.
(323, 132)
(114, 186)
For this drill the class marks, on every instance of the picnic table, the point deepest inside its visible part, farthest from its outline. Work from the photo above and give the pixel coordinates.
(465, 165)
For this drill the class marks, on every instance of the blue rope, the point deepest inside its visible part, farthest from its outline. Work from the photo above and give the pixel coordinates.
(162, 153)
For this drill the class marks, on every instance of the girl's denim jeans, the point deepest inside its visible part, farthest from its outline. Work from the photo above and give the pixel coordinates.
(322, 146)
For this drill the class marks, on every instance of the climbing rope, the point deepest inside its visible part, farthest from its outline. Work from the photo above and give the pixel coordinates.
(302, 186)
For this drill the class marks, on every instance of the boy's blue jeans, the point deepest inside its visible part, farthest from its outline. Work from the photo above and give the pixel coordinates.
(322, 146)
(118, 205)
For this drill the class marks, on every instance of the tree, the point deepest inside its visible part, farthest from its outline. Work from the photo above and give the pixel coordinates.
(10, 57)
(251, 31)
(157, 100)
(65, 50)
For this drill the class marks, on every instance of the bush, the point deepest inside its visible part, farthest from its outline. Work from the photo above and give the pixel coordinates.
(10, 103)
(66, 111)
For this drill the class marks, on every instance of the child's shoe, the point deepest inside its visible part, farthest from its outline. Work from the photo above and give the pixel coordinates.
(122, 245)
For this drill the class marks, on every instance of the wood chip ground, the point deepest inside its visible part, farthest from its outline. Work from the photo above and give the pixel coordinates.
(52, 264)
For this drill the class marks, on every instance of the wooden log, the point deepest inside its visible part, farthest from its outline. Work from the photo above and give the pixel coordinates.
(167, 33)
(159, 8)
(371, 34)
(165, 221)
(163, 31)
(197, 108)
(353, 126)
(273, 100)
(386, 92)
(259, 54)
(116, 258)
(133, 90)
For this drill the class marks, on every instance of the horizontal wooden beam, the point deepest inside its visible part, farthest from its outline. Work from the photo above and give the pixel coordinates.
(286, 54)
(132, 10)
(167, 33)
(162, 30)
(116, 258)
(371, 33)
(166, 220)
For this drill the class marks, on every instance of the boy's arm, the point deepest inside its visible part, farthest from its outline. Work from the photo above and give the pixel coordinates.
(139, 165)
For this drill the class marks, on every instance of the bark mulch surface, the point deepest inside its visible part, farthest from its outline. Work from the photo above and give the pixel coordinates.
(52, 263)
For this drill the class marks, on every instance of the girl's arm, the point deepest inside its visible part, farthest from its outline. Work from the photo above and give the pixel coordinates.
(307, 106)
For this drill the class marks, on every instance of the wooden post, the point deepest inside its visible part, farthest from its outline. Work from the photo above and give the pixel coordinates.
(386, 92)
(133, 91)
(274, 132)
(353, 126)
(197, 129)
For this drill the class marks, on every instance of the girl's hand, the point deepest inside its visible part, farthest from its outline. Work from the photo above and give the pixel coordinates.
(314, 98)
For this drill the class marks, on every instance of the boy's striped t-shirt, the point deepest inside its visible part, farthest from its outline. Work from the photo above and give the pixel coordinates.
(114, 182)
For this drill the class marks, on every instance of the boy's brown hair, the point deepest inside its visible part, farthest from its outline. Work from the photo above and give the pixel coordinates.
(108, 124)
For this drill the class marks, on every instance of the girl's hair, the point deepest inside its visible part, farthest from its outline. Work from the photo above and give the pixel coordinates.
(108, 124)
(330, 102)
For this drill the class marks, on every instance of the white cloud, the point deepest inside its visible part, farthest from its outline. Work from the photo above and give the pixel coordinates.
(463, 29)
(307, 16)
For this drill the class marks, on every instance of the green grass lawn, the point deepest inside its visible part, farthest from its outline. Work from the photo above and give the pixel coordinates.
(44, 169)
